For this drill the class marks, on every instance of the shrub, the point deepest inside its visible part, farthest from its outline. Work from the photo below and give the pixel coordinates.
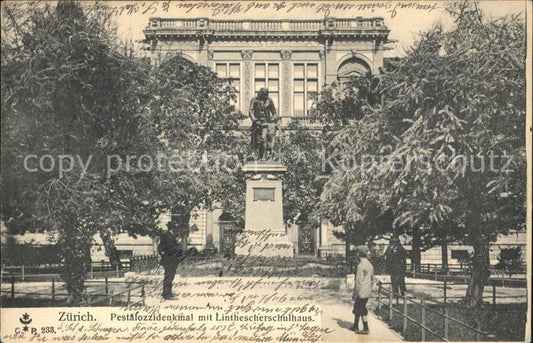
(510, 260)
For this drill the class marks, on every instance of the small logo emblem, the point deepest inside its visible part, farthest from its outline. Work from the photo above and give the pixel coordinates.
(25, 320)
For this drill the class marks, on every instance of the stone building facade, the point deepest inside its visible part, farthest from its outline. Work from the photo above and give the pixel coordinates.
(294, 59)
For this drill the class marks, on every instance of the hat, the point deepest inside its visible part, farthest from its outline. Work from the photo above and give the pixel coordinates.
(362, 249)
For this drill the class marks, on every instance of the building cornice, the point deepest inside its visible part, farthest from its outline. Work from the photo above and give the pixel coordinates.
(212, 29)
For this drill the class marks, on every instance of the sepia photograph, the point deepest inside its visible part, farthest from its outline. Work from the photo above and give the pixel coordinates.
(266, 171)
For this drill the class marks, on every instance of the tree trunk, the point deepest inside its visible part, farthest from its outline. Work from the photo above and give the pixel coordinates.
(415, 251)
(182, 219)
(480, 242)
(110, 249)
(480, 272)
(75, 248)
(184, 240)
(444, 254)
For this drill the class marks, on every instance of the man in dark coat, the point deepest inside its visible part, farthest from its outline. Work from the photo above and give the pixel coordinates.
(262, 112)
(395, 258)
(171, 253)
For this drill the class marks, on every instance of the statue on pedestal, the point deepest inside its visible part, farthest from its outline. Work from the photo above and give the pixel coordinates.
(264, 124)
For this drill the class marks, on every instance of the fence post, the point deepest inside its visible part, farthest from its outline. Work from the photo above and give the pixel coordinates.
(423, 319)
(12, 287)
(111, 299)
(404, 315)
(129, 297)
(106, 287)
(116, 267)
(390, 302)
(445, 288)
(22, 272)
(92, 276)
(142, 292)
(494, 295)
(435, 274)
(379, 295)
(446, 322)
(53, 289)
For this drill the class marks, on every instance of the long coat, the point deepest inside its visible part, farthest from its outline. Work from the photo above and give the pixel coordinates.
(261, 111)
(364, 279)
(395, 258)
(169, 249)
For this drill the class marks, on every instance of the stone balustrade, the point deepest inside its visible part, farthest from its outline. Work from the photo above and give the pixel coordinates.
(329, 24)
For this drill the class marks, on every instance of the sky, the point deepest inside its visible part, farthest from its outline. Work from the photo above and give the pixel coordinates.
(405, 23)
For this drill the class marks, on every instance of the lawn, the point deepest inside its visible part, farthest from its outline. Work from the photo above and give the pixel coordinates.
(262, 267)
(505, 322)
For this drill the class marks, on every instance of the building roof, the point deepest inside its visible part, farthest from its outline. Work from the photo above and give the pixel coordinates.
(267, 28)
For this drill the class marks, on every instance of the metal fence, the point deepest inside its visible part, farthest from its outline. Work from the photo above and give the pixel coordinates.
(445, 297)
(131, 294)
(144, 263)
(384, 293)
(431, 268)
(47, 272)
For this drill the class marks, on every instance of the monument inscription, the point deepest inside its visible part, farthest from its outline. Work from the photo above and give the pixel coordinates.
(264, 194)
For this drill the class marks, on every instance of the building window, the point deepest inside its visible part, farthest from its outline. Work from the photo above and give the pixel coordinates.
(231, 71)
(352, 67)
(267, 75)
(460, 254)
(305, 88)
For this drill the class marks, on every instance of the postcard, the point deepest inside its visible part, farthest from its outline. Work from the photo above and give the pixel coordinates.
(266, 171)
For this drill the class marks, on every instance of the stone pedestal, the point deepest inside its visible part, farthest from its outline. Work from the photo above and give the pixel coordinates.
(264, 231)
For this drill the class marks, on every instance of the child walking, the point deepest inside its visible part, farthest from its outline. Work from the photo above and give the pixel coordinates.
(364, 279)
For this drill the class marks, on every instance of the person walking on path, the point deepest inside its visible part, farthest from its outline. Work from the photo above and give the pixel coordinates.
(395, 257)
(364, 280)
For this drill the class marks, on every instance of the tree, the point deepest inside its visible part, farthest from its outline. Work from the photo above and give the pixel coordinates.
(300, 150)
(67, 94)
(457, 111)
(191, 125)
(455, 99)
(349, 198)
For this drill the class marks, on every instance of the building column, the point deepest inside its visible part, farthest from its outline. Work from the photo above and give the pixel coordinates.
(286, 70)
(324, 241)
(377, 60)
(210, 55)
(203, 50)
(331, 63)
(323, 66)
(247, 77)
(210, 236)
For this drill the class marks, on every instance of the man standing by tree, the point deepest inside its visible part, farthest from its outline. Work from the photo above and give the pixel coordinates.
(395, 257)
(170, 251)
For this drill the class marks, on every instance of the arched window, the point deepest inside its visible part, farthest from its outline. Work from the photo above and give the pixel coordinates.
(351, 67)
